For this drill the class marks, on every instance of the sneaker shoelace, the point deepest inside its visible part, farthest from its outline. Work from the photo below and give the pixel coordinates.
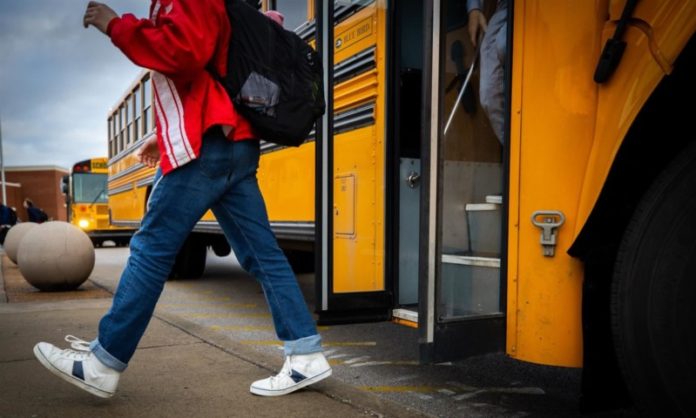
(79, 349)
(285, 371)
(77, 343)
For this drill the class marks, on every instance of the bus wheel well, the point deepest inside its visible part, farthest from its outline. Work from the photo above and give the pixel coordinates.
(651, 308)
(661, 131)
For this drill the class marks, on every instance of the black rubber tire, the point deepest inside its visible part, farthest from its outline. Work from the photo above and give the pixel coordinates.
(190, 262)
(302, 262)
(653, 291)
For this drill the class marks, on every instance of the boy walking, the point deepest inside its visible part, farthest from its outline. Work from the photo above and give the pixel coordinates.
(208, 157)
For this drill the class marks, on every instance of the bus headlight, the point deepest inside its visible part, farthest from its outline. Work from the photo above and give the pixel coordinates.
(83, 223)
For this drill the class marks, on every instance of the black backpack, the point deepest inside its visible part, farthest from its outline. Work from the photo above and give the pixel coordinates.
(274, 78)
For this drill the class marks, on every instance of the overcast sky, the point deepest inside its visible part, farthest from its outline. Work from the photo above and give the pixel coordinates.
(58, 81)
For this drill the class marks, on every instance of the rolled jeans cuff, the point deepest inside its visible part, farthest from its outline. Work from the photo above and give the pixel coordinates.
(305, 345)
(105, 357)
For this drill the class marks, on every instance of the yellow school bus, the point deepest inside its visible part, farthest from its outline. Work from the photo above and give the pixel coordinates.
(86, 202)
(568, 243)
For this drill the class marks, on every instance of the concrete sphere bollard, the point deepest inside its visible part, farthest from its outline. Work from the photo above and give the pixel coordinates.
(56, 256)
(14, 237)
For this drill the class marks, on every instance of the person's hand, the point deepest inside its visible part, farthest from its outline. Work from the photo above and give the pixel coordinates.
(98, 15)
(477, 25)
(148, 153)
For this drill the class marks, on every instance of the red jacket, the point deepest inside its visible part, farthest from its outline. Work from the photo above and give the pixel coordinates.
(178, 41)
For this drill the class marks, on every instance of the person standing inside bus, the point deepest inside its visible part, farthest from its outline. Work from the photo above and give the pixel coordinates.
(208, 157)
(493, 53)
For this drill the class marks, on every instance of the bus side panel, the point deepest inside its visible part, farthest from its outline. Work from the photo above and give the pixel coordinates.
(286, 178)
(556, 45)
(127, 192)
(359, 160)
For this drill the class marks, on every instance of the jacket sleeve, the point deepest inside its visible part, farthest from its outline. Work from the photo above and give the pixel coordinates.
(180, 44)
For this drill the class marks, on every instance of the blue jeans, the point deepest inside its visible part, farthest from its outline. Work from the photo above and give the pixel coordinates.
(492, 82)
(223, 179)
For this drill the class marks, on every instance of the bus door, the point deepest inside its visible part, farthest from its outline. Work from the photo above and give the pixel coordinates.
(405, 156)
(351, 156)
(461, 288)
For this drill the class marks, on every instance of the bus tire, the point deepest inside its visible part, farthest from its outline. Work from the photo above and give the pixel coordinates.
(654, 284)
(190, 262)
(301, 261)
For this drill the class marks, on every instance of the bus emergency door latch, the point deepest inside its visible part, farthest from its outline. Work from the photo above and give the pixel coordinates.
(413, 179)
(549, 221)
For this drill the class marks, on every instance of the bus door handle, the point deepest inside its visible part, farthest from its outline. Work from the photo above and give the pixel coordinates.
(549, 221)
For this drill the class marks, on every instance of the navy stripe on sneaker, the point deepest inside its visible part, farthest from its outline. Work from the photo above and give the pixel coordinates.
(77, 370)
(297, 377)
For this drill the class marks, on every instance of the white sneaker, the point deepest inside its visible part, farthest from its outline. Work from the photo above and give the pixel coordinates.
(78, 366)
(297, 372)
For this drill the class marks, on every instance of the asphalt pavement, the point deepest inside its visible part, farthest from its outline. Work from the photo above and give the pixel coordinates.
(181, 369)
(212, 336)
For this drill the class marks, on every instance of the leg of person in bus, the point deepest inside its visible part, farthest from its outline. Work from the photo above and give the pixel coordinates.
(242, 215)
(177, 202)
(493, 54)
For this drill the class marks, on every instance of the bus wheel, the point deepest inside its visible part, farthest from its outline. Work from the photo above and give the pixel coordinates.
(300, 261)
(190, 262)
(653, 311)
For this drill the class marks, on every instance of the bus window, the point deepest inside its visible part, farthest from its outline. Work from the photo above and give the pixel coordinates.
(294, 11)
(129, 120)
(114, 134)
(137, 109)
(110, 135)
(147, 106)
(121, 124)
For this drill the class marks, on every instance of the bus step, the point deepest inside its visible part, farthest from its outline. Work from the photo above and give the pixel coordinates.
(484, 228)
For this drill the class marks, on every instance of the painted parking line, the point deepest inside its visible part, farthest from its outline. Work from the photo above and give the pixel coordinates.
(519, 391)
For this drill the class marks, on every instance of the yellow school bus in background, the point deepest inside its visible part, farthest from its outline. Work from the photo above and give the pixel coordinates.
(571, 244)
(85, 191)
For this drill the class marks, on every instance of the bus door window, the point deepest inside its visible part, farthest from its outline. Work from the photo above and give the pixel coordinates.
(471, 180)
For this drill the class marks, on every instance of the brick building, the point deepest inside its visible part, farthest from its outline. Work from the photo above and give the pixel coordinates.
(41, 184)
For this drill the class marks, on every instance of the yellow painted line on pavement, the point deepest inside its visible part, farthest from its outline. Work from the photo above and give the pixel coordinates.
(250, 328)
(205, 303)
(226, 315)
(241, 328)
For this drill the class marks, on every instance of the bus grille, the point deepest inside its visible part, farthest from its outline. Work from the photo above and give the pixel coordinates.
(102, 210)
